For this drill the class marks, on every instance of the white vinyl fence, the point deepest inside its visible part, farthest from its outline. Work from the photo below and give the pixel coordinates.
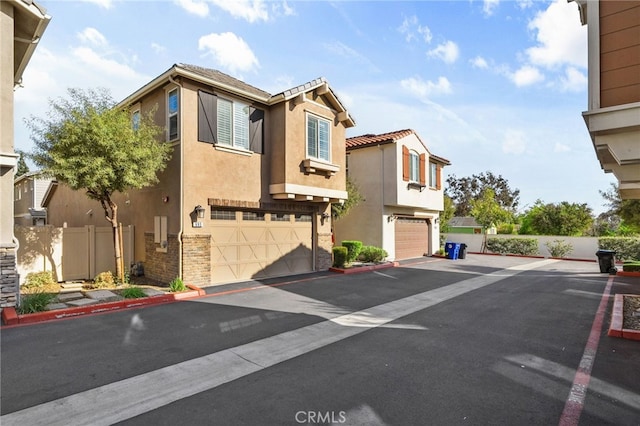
(584, 248)
(70, 253)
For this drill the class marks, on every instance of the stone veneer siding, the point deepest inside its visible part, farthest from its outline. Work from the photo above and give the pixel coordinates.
(196, 259)
(324, 252)
(158, 265)
(9, 278)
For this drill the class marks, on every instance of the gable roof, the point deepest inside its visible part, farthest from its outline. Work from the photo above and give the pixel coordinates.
(233, 85)
(463, 221)
(367, 140)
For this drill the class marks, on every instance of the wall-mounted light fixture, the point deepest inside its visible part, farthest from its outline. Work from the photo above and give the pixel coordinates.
(325, 216)
(199, 211)
(391, 218)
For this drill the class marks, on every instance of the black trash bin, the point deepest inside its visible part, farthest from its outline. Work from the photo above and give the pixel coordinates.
(607, 261)
(463, 251)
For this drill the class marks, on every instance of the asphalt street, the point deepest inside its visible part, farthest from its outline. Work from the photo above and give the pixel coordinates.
(477, 341)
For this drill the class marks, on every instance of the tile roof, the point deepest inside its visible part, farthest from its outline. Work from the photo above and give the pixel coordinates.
(225, 79)
(304, 87)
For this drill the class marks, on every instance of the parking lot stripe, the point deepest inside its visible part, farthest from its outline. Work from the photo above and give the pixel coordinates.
(169, 384)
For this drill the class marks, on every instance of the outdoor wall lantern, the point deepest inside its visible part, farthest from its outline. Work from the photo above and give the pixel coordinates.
(199, 211)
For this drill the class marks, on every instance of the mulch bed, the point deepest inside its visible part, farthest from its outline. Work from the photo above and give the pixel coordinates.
(630, 305)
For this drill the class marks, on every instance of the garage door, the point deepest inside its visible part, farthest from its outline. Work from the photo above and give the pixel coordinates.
(249, 245)
(412, 237)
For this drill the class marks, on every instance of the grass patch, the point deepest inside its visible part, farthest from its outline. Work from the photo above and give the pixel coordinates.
(133, 292)
(35, 302)
(177, 285)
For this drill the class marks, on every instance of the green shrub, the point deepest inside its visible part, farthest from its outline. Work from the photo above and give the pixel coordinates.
(133, 292)
(177, 285)
(631, 266)
(104, 280)
(626, 248)
(339, 256)
(38, 279)
(372, 254)
(521, 246)
(506, 228)
(559, 248)
(35, 302)
(353, 249)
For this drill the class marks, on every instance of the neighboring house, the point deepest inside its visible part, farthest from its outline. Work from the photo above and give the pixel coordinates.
(22, 23)
(467, 225)
(28, 193)
(401, 183)
(248, 191)
(613, 115)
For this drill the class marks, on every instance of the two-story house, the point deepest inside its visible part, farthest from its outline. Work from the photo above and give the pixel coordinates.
(248, 190)
(613, 114)
(401, 183)
(29, 191)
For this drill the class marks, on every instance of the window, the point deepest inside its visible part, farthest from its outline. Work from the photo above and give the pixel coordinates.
(414, 167)
(252, 216)
(217, 214)
(279, 217)
(229, 123)
(135, 120)
(432, 174)
(172, 114)
(318, 140)
(233, 124)
(303, 217)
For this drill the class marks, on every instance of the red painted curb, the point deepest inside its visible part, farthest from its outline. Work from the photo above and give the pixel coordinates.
(11, 317)
(617, 317)
(364, 268)
(628, 273)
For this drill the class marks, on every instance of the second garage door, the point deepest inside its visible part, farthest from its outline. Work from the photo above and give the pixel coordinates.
(248, 245)
(412, 237)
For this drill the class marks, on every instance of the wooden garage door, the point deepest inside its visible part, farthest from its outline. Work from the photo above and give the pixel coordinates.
(250, 245)
(412, 237)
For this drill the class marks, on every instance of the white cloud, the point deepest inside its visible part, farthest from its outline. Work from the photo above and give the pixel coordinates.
(561, 148)
(573, 81)
(447, 51)
(92, 36)
(195, 7)
(561, 39)
(250, 10)
(283, 8)
(417, 86)
(410, 26)
(158, 48)
(524, 4)
(229, 51)
(514, 142)
(479, 62)
(489, 6)
(102, 3)
(526, 76)
(93, 60)
(346, 52)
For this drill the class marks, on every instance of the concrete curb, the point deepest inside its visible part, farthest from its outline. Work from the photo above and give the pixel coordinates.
(617, 316)
(11, 317)
(365, 268)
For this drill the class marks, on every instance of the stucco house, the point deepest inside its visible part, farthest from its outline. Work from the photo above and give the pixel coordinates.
(401, 183)
(28, 193)
(248, 190)
(22, 24)
(467, 225)
(613, 113)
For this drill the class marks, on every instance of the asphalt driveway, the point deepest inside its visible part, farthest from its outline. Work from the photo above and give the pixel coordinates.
(483, 340)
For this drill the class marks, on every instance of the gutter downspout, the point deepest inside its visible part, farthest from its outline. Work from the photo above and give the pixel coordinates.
(180, 124)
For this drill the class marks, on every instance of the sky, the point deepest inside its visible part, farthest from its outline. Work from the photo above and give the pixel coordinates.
(491, 85)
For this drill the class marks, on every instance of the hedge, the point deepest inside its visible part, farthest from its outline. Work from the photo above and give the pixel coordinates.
(521, 246)
(339, 257)
(626, 248)
(353, 250)
(372, 254)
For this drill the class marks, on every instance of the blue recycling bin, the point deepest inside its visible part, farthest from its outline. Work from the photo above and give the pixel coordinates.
(453, 250)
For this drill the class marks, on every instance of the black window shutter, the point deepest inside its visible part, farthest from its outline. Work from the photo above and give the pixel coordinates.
(207, 117)
(256, 130)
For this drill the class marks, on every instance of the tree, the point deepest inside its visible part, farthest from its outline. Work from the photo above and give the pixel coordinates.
(563, 218)
(627, 210)
(88, 144)
(464, 190)
(488, 212)
(353, 199)
(22, 164)
(447, 214)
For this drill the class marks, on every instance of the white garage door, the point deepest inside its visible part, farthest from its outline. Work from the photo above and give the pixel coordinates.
(412, 237)
(250, 245)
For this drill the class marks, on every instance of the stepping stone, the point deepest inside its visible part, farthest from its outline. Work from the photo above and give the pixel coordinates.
(54, 306)
(71, 284)
(64, 297)
(101, 295)
(152, 292)
(82, 302)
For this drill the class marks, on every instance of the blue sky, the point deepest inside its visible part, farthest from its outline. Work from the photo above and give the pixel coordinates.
(491, 85)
